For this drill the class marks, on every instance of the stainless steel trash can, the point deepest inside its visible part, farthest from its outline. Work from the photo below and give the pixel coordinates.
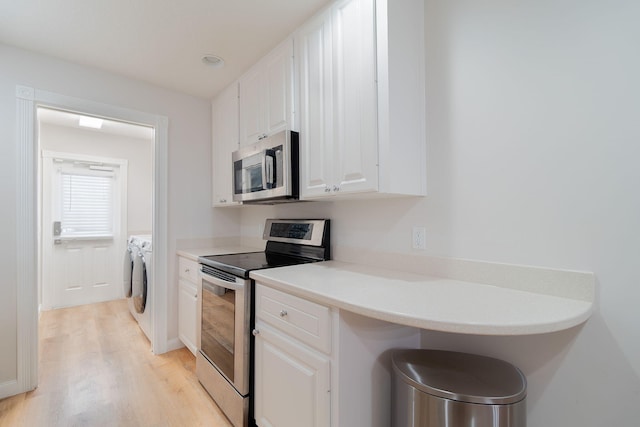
(435, 388)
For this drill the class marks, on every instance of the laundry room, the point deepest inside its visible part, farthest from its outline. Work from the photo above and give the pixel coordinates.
(96, 187)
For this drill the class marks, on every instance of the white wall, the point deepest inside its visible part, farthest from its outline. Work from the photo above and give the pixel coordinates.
(138, 153)
(189, 200)
(533, 147)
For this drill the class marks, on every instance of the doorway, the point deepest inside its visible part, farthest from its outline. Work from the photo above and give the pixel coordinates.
(96, 189)
(28, 227)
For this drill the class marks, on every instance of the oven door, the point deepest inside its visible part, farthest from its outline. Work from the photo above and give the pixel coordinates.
(225, 310)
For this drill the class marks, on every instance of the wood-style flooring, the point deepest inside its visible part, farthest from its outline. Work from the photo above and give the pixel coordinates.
(97, 369)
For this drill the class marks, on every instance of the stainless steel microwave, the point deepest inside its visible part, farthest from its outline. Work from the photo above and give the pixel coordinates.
(267, 171)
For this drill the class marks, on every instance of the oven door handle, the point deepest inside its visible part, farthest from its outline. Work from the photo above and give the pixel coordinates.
(208, 281)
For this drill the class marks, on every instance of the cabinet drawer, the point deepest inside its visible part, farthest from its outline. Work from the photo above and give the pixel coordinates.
(188, 269)
(301, 319)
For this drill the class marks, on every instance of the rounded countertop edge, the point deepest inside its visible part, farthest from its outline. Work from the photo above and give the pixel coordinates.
(577, 317)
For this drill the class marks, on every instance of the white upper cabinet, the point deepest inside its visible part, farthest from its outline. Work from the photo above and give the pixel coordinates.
(314, 67)
(360, 67)
(225, 134)
(266, 95)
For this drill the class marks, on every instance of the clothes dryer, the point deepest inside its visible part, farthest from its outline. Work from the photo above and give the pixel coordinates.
(139, 288)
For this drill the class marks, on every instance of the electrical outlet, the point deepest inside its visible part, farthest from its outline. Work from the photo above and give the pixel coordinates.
(419, 238)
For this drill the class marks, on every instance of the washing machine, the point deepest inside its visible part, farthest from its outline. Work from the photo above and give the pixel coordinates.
(138, 280)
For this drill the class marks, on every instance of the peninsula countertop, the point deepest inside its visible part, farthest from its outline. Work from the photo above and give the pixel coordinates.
(425, 302)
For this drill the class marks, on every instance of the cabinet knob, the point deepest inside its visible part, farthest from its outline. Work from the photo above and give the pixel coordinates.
(283, 313)
(255, 332)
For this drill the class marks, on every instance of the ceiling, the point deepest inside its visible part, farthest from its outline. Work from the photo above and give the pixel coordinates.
(72, 120)
(157, 41)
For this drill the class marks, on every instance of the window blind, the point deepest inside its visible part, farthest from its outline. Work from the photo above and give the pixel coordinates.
(87, 204)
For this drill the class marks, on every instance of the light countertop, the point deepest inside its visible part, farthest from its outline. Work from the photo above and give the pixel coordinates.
(427, 302)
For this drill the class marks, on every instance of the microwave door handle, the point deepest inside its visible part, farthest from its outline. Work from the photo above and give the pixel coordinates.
(267, 172)
(264, 170)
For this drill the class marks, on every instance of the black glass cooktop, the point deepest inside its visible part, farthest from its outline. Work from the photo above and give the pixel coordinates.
(242, 264)
(289, 242)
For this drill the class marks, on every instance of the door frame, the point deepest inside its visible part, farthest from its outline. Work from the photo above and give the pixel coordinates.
(28, 232)
(46, 238)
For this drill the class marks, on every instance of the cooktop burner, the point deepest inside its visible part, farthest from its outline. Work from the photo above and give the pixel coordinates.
(289, 242)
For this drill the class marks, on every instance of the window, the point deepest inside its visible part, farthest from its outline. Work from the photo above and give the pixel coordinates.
(86, 203)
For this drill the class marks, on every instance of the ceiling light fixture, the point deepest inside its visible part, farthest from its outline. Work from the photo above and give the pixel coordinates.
(213, 61)
(90, 122)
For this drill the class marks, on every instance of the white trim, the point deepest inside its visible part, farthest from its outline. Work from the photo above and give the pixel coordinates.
(160, 233)
(26, 248)
(174, 344)
(27, 99)
(83, 157)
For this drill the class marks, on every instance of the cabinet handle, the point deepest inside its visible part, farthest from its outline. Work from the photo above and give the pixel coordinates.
(186, 270)
(255, 332)
(283, 313)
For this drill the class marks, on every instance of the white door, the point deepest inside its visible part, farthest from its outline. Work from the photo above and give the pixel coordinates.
(313, 44)
(225, 141)
(252, 126)
(292, 382)
(187, 318)
(83, 215)
(278, 74)
(355, 102)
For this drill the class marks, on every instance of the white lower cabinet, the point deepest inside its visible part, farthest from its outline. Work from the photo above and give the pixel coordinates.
(292, 383)
(188, 303)
(320, 366)
(292, 361)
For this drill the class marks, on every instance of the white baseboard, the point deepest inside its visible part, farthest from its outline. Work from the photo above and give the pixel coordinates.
(174, 344)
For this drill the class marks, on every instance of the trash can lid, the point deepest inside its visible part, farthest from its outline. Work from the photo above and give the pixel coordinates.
(460, 376)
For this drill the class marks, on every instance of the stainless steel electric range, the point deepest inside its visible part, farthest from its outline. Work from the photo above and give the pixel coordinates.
(224, 362)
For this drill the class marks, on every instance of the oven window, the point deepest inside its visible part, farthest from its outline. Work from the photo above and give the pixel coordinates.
(218, 325)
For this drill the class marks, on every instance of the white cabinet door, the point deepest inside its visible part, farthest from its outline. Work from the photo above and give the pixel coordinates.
(252, 126)
(313, 54)
(266, 95)
(338, 104)
(225, 134)
(368, 135)
(187, 319)
(355, 104)
(292, 382)
(279, 89)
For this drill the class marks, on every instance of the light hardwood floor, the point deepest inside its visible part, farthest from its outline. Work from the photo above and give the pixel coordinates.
(96, 369)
